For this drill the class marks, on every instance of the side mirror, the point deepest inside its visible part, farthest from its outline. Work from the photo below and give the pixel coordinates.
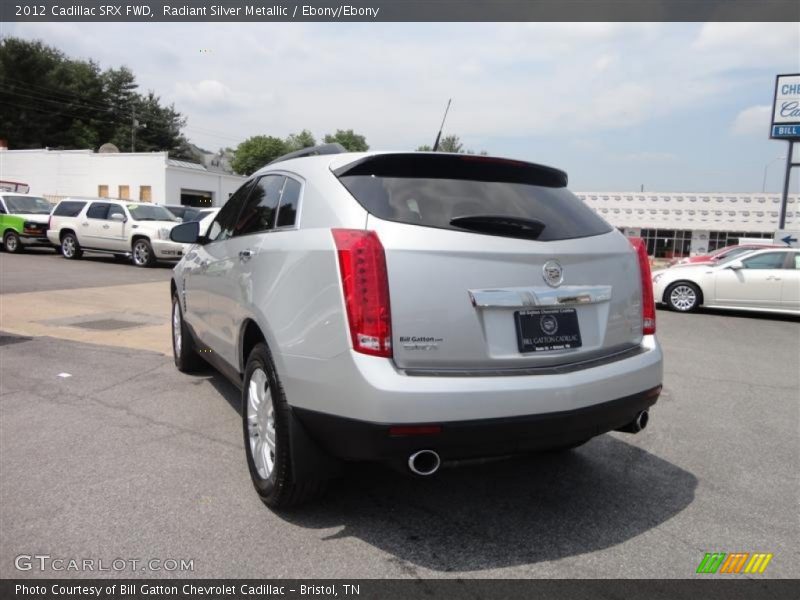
(185, 233)
(736, 265)
(118, 217)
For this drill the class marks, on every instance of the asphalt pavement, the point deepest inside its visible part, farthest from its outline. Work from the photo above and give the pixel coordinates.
(109, 452)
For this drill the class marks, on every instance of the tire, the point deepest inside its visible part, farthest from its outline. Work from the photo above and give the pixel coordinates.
(143, 253)
(12, 243)
(683, 297)
(183, 351)
(70, 248)
(265, 417)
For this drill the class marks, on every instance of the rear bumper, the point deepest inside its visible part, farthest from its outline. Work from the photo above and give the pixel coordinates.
(372, 389)
(351, 439)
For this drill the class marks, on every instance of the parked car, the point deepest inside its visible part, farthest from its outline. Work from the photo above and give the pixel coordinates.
(765, 280)
(414, 308)
(188, 213)
(206, 219)
(721, 254)
(126, 229)
(23, 221)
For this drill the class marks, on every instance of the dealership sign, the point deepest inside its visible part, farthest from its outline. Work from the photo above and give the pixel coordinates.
(786, 108)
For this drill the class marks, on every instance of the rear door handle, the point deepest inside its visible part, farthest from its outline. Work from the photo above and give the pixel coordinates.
(105, 226)
(246, 255)
(85, 224)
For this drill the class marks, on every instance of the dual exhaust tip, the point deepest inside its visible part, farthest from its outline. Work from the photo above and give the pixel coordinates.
(425, 463)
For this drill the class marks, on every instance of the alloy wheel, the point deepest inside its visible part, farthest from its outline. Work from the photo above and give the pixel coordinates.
(261, 423)
(683, 297)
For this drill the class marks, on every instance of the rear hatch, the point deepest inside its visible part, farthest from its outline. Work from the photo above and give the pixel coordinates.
(494, 264)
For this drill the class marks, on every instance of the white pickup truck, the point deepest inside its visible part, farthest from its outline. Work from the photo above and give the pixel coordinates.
(126, 229)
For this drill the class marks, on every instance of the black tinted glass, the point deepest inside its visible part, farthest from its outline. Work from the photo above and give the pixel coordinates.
(287, 214)
(69, 209)
(223, 225)
(259, 211)
(471, 193)
(98, 210)
(115, 209)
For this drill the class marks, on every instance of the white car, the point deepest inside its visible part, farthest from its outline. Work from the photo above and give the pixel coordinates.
(414, 308)
(120, 227)
(765, 280)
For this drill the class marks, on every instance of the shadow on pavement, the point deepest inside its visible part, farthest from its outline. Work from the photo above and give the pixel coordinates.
(500, 513)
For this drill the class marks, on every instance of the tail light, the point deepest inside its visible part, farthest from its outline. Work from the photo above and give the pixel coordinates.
(362, 265)
(648, 303)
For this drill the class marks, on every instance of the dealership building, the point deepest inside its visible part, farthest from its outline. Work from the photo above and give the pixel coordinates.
(680, 224)
(672, 224)
(145, 176)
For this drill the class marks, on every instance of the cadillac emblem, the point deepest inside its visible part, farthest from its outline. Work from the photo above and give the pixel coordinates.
(553, 273)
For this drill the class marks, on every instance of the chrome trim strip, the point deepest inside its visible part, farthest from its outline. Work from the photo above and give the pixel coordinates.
(549, 370)
(568, 295)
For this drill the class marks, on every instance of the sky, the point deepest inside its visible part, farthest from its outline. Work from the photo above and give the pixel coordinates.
(673, 107)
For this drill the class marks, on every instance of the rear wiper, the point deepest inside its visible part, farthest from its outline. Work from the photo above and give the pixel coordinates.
(501, 225)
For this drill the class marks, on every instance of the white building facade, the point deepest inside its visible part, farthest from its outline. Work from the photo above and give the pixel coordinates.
(147, 176)
(676, 224)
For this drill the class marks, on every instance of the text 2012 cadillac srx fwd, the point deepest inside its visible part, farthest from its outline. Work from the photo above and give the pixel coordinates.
(414, 308)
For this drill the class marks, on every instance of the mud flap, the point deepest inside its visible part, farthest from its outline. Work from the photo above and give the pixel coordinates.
(309, 461)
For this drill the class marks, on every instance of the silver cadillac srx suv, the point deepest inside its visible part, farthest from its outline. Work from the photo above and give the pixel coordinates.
(414, 308)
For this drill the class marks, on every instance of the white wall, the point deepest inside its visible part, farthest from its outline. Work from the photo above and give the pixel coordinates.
(58, 173)
(219, 184)
(80, 172)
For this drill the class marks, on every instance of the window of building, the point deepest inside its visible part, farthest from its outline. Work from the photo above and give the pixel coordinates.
(720, 239)
(124, 192)
(145, 193)
(667, 243)
(102, 191)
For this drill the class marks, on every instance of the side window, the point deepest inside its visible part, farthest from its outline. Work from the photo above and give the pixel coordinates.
(98, 210)
(770, 260)
(2, 208)
(69, 209)
(116, 209)
(261, 207)
(287, 213)
(222, 227)
(794, 262)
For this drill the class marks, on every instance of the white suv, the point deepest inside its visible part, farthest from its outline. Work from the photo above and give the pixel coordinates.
(120, 227)
(414, 308)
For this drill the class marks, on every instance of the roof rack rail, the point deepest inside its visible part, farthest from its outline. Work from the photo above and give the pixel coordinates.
(334, 148)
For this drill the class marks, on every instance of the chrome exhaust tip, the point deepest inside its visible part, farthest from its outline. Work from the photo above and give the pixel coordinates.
(424, 463)
(638, 424)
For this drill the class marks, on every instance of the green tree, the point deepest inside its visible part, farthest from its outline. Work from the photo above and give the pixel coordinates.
(450, 143)
(349, 139)
(50, 100)
(298, 141)
(255, 152)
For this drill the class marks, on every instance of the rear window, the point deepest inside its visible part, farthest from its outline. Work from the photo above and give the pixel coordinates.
(69, 209)
(471, 193)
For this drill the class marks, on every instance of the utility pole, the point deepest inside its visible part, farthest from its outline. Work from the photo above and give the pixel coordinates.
(786, 177)
(134, 124)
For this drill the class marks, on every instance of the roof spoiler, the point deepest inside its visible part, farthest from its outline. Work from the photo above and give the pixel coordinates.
(334, 148)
